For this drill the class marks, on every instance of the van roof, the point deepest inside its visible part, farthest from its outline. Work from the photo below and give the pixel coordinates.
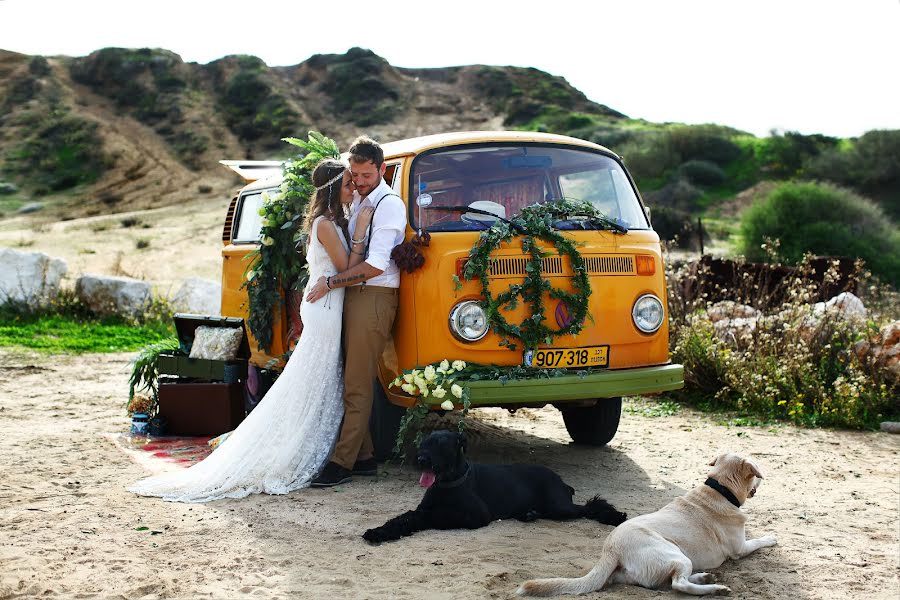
(416, 145)
(427, 142)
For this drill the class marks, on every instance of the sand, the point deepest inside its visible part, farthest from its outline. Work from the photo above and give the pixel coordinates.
(68, 527)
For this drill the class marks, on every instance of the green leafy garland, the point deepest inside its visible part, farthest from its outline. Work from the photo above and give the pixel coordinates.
(534, 222)
(276, 266)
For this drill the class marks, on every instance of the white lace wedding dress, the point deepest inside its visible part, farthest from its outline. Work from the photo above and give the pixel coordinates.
(288, 437)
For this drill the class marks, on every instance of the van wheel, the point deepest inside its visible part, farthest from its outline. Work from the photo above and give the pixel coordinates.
(384, 423)
(593, 425)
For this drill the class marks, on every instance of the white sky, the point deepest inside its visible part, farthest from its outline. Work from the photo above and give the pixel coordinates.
(814, 66)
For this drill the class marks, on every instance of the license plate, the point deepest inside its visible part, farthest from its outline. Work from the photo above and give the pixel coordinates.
(567, 358)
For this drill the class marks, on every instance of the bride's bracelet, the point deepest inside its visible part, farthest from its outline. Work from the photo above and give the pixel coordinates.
(328, 282)
(362, 241)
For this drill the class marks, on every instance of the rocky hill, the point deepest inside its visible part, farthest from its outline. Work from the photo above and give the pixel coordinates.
(124, 129)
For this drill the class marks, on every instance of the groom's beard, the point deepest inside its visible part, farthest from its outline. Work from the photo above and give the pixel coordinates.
(365, 191)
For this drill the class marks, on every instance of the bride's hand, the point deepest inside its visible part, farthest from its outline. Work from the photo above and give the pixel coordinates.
(318, 291)
(364, 218)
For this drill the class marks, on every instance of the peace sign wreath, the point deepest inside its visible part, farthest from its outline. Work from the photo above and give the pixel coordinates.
(533, 222)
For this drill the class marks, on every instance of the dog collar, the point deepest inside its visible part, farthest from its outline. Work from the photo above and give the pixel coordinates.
(456, 482)
(723, 490)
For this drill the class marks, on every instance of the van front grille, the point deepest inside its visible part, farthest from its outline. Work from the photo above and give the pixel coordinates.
(229, 221)
(609, 265)
(598, 264)
(515, 266)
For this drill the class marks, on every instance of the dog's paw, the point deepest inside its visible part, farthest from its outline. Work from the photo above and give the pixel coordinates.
(721, 590)
(702, 578)
(373, 536)
(768, 540)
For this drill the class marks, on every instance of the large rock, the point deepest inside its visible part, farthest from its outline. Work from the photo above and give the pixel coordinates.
(845, 307)
(199, 296)
(106, 295)
(29, 278)
(728, 309)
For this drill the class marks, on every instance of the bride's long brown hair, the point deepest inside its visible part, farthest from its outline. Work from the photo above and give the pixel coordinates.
(327, 201)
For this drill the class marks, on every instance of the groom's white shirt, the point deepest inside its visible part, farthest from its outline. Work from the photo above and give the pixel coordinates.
(388, 228)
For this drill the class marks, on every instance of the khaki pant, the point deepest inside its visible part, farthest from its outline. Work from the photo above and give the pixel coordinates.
(369, 313)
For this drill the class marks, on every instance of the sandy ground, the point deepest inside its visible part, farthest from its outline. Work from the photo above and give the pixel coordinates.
(67, 526)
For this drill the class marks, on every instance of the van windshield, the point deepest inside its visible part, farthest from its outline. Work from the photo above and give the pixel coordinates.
(502, 179)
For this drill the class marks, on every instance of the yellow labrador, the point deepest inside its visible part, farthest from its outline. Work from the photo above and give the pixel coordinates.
(694, 532)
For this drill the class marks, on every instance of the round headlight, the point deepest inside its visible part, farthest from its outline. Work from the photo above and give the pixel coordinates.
(468, 321)
(647, 313)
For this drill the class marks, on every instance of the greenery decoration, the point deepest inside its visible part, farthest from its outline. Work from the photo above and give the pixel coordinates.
(276, 266)
(145, 371)
(532, 223)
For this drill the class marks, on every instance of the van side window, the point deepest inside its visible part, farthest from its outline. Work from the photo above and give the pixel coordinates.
(249, 225)
(392, 176)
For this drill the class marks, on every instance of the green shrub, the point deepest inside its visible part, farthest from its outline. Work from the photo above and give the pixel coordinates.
(359, 88)
(62, 151)
(871, 165)
(704, 142)
(824, 220)
(788, 368)
(675, 225)
(649, 154)
(702, 172)
(783, 156)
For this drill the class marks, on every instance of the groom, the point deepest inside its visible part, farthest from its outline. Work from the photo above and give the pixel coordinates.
(370, 305)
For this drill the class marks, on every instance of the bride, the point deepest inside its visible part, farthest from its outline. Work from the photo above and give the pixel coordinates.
(286, 439)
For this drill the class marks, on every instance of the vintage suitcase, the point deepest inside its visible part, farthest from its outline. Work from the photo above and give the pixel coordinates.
(200, 408)
(180, 364)
(198, 396)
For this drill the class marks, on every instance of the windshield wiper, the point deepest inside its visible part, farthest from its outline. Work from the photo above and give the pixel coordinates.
(599, 222)
(603, 221)
(478, 211)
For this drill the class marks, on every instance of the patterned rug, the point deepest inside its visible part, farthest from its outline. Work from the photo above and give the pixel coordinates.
(161, 454)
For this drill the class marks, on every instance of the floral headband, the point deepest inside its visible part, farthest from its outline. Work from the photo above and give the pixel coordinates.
(332, 180)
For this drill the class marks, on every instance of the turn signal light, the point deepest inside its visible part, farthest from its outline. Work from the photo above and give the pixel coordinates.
(646, 264)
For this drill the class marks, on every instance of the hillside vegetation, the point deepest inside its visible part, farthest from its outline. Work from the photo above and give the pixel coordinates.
(124, 129)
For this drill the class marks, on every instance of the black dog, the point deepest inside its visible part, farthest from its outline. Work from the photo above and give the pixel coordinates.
(464, 495)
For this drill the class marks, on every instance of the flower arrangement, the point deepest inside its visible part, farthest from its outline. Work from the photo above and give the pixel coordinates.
(276, 266)
(440, 382)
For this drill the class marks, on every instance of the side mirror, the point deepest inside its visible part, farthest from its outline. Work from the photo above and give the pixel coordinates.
(647, 212)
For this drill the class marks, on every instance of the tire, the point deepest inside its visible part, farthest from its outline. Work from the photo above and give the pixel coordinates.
(384, 423)
(593, 425)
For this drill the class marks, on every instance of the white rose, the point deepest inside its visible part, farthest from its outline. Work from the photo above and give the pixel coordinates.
(408, 378)
(408, 388)
(419, 381)
(445, 366)
(459, 365)
(439, 392)
(396, 382)
(456, 390)
(429, 373)
(447, 405)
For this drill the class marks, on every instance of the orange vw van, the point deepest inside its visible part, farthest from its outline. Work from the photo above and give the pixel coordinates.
(456, 185)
